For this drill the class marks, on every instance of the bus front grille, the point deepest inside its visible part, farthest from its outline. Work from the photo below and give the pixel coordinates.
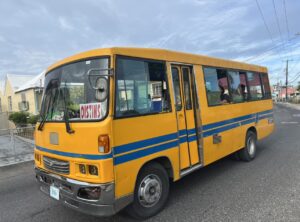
(55, 165)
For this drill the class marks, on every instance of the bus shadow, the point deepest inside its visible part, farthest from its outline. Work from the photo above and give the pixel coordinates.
(211, 174)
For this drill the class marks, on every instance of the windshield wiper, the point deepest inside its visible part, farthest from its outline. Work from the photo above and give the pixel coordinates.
(44, 117)
(66, 116)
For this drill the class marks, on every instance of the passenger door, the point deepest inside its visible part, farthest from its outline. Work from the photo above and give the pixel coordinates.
(185, 104)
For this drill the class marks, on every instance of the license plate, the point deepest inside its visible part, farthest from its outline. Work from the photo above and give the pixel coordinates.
(54, 192)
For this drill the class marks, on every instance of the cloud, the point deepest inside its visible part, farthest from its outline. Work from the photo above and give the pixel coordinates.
(37, 33)
(64, 24)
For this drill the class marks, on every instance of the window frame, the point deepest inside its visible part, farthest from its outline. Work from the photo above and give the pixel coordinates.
(229, 91)
(164, 62)
(262, 85)
(109, 57)
(180, 93)
(247, 82)
(189, 88)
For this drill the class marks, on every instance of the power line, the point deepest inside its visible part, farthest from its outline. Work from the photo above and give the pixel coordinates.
(278, 25)
(277, 21)
(296, 77)
(264, 20)
(287, 26)
(266, 26)
(286, 20)
(267, 50)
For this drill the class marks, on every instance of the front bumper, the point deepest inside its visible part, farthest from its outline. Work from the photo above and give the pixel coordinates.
(107, 205)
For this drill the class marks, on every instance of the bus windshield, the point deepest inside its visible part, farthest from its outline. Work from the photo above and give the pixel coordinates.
(69, 93)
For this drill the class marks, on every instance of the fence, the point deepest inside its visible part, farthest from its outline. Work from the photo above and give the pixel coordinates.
(16, 145)
(295, 99)
(4, 123)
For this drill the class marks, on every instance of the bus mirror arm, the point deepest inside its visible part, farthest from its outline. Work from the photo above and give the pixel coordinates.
(99, 72)
(217, 139)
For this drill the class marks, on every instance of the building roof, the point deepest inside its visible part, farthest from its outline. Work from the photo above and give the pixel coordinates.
(34, 82)
(17, 81)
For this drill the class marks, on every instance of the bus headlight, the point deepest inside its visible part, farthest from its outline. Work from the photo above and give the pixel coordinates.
(93, 170)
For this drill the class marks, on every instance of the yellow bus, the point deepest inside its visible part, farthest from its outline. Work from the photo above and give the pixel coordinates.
(118, 124)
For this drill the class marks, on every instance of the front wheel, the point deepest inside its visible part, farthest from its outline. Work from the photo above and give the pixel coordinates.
(248, 153)
(151, 192)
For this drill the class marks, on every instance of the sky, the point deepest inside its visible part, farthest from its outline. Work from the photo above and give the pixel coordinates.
(36, 33)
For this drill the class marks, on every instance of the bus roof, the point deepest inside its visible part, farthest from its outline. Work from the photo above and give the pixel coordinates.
(161, 54)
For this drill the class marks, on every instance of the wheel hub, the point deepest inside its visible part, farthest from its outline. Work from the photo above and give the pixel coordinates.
(150, 190)
(251, 146)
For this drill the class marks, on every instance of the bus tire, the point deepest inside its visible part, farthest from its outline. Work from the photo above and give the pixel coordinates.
(248, 153)
(150, 193)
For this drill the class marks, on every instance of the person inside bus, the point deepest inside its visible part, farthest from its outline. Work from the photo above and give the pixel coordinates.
(225, 98)
(243, 93)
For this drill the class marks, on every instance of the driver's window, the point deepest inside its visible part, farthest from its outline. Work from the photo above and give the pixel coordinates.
(141, 87)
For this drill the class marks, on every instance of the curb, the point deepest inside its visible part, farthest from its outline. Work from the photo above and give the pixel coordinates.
(19, 162)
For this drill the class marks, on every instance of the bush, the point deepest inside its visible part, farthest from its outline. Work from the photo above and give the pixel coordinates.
(19, 118)
(33, 119)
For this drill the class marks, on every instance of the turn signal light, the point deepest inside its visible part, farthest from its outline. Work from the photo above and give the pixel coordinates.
(103, 144)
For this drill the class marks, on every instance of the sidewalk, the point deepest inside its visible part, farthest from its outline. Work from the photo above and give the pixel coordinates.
(15, 150)
(290, 105)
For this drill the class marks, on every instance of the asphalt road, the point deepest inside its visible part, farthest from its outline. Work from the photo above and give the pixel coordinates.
(266, 189)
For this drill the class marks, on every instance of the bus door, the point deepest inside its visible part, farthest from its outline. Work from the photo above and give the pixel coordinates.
(186, 106)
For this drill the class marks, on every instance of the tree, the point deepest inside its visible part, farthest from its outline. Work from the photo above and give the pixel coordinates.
(19, 118)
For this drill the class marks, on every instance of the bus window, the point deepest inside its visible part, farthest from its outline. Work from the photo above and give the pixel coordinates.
(216, 83)
(244, 86)
(237, 89)
(141, 87)
(266, 86)
(186, 88)
(176, 85)
(254, 86)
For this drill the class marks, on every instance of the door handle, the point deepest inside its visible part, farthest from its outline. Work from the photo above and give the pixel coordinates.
(217, 138)
(180, 115)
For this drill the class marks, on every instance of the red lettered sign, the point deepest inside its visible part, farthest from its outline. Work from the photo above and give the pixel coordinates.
(90, 111)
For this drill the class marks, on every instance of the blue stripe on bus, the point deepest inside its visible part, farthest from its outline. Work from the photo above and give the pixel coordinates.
(143, 143)
(225, 122)
(75, 155)
(141, 153)
(182, 132)
(220, 129)
(266, 116)
(248, 121)
(185, 135)
(192, 138)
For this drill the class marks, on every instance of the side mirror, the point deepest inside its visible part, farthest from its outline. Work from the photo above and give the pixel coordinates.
(101, 88)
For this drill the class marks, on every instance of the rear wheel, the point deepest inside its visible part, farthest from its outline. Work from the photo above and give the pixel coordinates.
(151, 192)
(248, 153)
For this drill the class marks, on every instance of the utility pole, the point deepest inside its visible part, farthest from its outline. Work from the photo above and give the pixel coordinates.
(287, 78)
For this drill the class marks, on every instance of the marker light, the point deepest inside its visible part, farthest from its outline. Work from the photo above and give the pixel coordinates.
(82, 168)
(103, 144)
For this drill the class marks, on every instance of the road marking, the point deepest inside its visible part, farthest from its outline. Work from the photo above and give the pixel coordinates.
(289, 122)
